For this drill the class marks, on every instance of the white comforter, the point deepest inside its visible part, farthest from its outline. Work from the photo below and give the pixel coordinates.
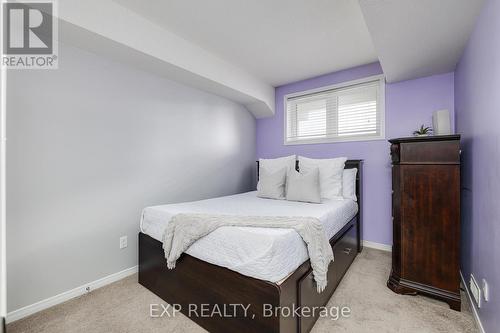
(262, 253)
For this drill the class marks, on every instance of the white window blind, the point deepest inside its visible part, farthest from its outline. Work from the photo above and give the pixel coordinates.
(346, 113)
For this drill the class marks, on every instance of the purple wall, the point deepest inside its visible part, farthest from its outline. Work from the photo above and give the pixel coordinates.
(477, 97)
(408, 104)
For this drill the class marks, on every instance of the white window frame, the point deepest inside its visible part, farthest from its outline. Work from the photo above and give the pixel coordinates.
(381, 105)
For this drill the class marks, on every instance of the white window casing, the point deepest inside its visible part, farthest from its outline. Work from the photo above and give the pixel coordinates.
(350, 111)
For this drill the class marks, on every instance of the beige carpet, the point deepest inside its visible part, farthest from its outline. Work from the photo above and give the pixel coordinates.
(124, 307)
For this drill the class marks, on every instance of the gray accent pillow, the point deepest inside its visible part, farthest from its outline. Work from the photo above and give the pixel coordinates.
(303, 187)
(271, 185)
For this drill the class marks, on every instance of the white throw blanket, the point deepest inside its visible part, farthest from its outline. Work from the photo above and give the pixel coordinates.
(185, 229)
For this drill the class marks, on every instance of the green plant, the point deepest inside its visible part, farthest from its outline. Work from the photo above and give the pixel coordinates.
(423, 130)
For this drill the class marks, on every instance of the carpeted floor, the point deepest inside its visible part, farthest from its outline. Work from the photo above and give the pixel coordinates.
(124, 307)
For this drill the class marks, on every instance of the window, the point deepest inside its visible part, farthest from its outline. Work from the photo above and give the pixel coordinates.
(353, 111)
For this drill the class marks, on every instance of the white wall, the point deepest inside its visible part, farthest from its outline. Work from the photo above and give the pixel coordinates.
(91, 144)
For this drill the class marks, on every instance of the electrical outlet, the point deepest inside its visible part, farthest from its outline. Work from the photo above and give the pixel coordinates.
(486, 291)
(475, 290)
(123, 242)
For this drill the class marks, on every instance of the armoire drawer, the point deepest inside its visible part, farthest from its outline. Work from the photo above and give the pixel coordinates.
(416, 151)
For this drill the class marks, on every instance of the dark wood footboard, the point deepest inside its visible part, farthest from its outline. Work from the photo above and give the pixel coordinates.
(195, 285)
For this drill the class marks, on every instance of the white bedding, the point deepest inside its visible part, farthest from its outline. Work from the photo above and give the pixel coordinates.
(263, 253)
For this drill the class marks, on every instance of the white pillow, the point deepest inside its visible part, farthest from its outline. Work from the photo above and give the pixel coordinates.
(303, 186)
(330, 174)
(349, 184)
(271, 185)
(275, 164)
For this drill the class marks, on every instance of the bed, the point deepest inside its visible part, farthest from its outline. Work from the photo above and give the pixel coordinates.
(254, 267)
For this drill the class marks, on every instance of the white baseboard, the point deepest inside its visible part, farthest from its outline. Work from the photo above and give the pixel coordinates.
(475, 314)
(67, 295)
(378, 246)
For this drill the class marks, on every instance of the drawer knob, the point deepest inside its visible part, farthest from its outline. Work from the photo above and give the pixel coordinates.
(347, 250)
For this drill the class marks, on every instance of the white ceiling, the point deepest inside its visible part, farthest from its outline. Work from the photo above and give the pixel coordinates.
(279, 41)
(416, 38)
(282, 41)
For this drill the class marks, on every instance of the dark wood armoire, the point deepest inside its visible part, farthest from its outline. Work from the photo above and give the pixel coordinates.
(426, 217)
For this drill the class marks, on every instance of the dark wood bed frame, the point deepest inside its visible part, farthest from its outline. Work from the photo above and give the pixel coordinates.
(196, 285)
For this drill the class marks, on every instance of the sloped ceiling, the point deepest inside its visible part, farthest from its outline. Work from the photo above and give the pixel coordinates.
(419, 38)
(104, 27)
